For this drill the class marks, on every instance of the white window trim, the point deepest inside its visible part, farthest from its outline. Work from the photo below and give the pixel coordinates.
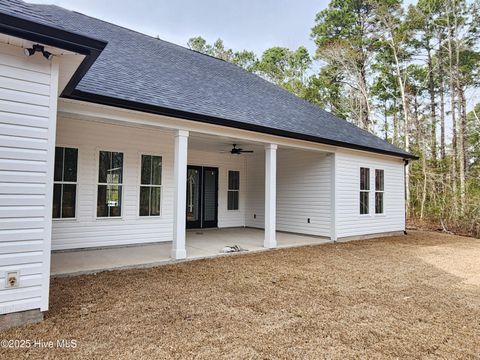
(380, 191)
(369, 192)
(139, 181)
(75, 218)
(122, 210)
(237, 190)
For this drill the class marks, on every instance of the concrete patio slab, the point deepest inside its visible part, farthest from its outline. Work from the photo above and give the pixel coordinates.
(203, 243)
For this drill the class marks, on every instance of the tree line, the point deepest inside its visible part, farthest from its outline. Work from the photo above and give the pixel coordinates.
(409, 74)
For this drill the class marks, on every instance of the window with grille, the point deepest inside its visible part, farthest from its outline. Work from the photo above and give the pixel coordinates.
(65, 183)
(150, 185)
(364, 190)
(233, 189)
(110, 184)
(379, 191)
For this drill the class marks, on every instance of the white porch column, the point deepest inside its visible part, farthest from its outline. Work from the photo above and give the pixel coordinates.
(180, 194)
(270, 240)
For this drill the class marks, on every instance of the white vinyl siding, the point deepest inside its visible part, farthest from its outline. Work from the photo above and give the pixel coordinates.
(304, 189)
(255, 191)
(303, 192)
(349, 222)
(28, 102)
(89, 231)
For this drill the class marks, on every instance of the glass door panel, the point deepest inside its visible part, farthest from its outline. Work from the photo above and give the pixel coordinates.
(210, 182)
(194, 196)
(202, 197)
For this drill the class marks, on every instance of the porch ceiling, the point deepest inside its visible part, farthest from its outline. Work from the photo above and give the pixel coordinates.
(223, 144)
(219, 144)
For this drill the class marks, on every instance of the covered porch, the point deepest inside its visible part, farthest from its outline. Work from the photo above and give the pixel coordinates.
(204, 243)
(282, 190)
(280, 195)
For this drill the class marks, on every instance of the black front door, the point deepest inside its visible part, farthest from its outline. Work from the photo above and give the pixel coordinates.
(202, 197)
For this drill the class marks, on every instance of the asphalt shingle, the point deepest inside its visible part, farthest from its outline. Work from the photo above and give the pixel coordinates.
(142, 69)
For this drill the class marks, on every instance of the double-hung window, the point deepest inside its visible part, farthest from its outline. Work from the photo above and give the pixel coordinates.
(110, 181)
(379, 190)
(233, 190)
(364, 190)
(65, 183)
(150, 185)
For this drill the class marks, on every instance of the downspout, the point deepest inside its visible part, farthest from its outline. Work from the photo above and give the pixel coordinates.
(405, 164)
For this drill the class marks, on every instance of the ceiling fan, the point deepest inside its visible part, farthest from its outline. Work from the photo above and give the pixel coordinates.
(237, 151)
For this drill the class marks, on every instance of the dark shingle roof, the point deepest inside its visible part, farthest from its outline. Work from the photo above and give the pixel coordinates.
(24, 10)
(138, 68)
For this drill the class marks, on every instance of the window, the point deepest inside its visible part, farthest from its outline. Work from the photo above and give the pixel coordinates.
(379, 188)
(150, 185)
(364, 190)
(233, 189)
(65, 182)
(110, 180)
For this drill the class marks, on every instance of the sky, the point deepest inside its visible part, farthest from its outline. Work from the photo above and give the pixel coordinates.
(247, 24)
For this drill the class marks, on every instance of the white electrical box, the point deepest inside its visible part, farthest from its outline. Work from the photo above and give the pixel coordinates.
(12, 279)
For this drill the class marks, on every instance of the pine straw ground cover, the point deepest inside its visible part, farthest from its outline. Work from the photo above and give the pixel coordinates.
(415, 296)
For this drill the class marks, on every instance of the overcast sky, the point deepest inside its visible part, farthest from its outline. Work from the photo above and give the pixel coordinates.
(247, 24)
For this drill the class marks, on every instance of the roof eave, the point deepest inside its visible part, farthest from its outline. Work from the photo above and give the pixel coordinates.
(158, 110)
(52, 36)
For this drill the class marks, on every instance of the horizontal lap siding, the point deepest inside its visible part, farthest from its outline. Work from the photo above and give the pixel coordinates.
(224, 163)
(348, 219)
(303, 191)
(255, 203)
(91, 137)
(27, 124)
(87, 230)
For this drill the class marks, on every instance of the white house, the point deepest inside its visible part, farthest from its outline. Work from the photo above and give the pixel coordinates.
(109, 137)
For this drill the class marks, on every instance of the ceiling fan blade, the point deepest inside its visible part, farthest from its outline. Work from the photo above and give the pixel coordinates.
(246, 151)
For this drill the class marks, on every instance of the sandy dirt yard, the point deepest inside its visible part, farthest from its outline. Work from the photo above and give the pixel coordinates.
(408, 297)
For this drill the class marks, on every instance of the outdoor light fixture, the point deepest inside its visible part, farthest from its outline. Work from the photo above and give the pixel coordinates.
(47, 55)
(38, 48)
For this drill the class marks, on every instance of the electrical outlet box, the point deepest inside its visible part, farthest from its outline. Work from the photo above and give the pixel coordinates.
(254, 216)
(12, 279)
(308, 220)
